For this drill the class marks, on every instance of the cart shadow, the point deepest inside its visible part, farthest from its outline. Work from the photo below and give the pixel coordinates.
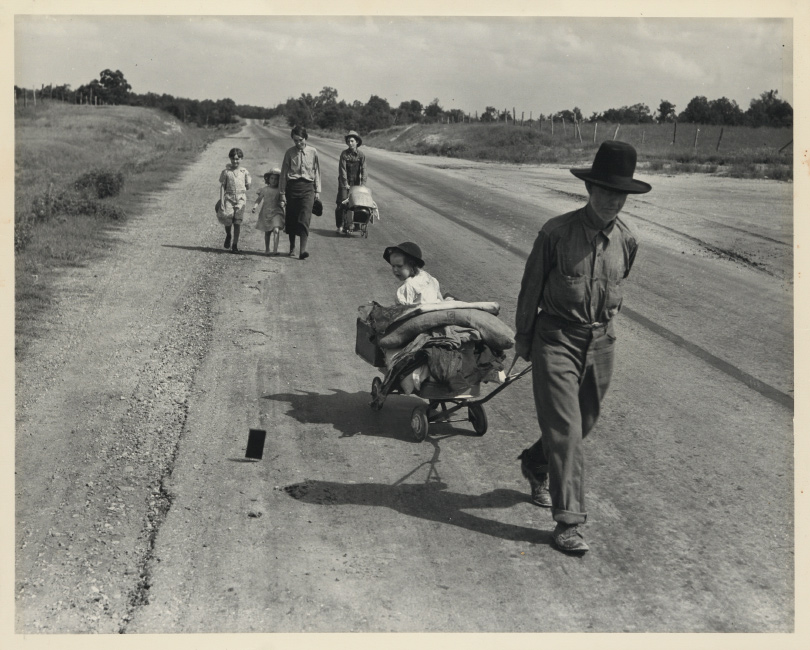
(351, 415)
(429, 501)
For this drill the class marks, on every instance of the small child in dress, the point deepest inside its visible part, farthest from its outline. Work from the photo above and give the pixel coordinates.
(418, 285)
(234, 182)
(271, 215)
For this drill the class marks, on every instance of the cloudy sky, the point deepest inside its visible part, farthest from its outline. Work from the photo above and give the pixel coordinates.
(540, 63)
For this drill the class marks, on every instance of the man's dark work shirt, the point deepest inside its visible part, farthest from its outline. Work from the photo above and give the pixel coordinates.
(574, 272)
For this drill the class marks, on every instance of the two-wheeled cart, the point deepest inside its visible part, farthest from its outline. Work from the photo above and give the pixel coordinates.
(363, 209)
(441, 405)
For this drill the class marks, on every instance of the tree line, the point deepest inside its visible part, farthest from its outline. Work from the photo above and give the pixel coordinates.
(326, 111)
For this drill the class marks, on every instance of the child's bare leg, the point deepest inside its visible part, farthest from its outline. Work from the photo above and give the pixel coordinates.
(236, 229)
(267, 242)
(275, 240)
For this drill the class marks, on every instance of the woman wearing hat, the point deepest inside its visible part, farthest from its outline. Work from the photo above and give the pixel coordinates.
(570, 293)
(351, 171)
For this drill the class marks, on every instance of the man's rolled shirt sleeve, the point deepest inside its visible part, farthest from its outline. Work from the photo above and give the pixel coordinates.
(531, 288)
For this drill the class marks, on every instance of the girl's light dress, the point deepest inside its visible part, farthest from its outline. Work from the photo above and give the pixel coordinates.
(419, 288)
(271, 215)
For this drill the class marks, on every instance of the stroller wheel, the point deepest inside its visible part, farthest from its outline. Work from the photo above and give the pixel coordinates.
(376, 397)
(478, 417)
(419, 423)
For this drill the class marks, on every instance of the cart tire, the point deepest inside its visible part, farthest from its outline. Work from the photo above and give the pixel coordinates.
(478, 417)
(419, 423)
(376, 398)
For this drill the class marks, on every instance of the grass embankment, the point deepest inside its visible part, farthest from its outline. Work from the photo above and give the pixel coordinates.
(79, 172)
(742, 152)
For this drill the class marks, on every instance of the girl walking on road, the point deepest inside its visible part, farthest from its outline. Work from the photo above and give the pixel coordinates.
(351, 171)
(271, 215)
(300, 187)
(234, 182)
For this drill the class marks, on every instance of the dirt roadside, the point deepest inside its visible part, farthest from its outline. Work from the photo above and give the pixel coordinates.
(173, 341)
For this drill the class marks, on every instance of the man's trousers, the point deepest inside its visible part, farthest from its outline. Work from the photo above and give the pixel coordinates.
(571, 370)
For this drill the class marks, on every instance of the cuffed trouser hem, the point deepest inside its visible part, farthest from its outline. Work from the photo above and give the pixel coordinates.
(568, 517)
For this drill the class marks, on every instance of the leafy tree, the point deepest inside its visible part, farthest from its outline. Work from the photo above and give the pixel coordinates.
(409, 112)
(569, 116)
(666, 111)
(433, 111)
(490, 114)
(116, 88)
(635, 114)
(326, 97)
(769, 110)
(376, 114)
(725, 111)
(697, 111)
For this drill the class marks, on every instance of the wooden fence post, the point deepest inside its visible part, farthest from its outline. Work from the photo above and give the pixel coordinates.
(563, 123)
(34, 90)
(552, 126)
(674, 132)
(642, 137)
(522, 114)
(595, 124)
(514, 116)
(717, 148)
(616, 132)
(697, 130)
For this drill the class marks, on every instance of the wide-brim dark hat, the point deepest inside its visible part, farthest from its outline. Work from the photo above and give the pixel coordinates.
(407, 247)
(613, 168)
(317, 208)
(355, 135)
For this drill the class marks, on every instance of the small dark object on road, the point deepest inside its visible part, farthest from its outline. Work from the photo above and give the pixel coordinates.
(255, 446)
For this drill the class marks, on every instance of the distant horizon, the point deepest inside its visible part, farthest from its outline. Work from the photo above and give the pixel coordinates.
(532, 64)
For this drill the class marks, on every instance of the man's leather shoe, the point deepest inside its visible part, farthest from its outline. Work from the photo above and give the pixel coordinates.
(568, 537)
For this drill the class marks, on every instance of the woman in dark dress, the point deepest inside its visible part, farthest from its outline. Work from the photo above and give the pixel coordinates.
(351, 171)
(299, 187)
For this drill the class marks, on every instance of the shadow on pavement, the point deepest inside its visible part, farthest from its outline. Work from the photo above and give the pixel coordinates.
(351, 414)
(430, 501)
(226, 251)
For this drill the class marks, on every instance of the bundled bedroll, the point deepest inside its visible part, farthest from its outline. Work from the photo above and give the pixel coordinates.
(448, 347)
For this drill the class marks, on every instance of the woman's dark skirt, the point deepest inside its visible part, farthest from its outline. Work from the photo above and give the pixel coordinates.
(300, 198)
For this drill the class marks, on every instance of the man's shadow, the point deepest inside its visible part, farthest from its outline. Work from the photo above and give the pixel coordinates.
(430, 501)
(351, 414)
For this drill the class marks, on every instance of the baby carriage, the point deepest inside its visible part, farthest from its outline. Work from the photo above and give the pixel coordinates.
(449, 350)
(363, 208)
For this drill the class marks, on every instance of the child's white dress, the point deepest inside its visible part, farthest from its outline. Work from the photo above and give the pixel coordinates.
(419, 288)
(271, 215)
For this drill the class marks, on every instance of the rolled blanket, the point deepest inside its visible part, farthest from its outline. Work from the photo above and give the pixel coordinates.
(494, 332)
(382, 318)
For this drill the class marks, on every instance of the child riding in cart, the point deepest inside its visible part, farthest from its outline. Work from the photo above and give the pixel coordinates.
(432, 346)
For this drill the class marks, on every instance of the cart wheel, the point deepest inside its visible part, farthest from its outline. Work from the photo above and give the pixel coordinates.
(478, 417)
(419, 423)
(376, 398)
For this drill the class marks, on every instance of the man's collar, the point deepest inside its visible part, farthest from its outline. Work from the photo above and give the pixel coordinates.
(592, 230)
